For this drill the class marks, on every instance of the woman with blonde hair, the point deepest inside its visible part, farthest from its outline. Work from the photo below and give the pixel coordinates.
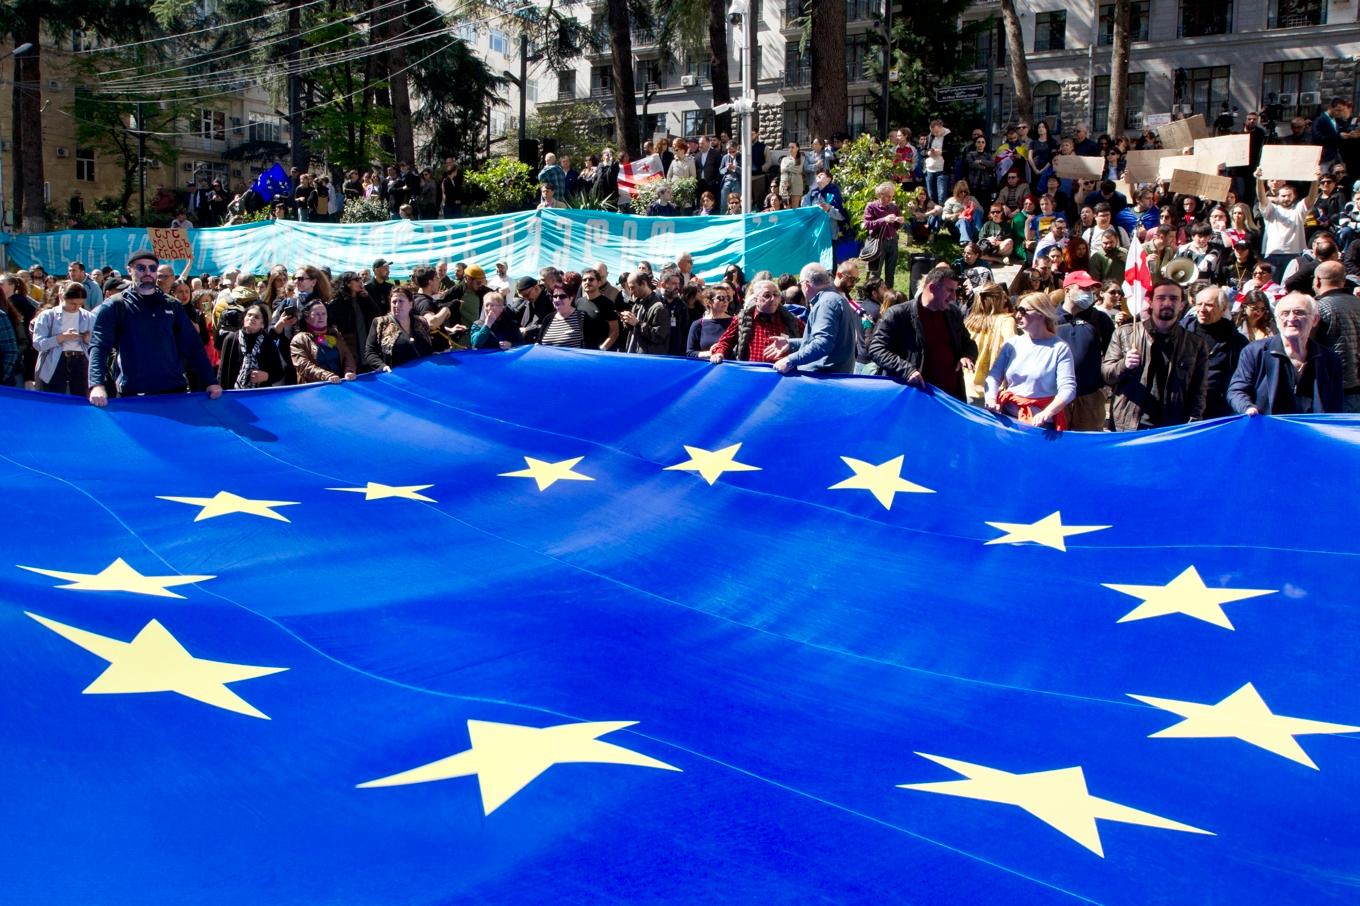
(1033, 378)
(962, 213)
(990, 322)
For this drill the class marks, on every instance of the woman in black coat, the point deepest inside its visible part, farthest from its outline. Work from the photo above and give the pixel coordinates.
(250, 356)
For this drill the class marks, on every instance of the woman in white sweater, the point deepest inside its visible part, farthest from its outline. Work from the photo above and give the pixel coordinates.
(1033, 379)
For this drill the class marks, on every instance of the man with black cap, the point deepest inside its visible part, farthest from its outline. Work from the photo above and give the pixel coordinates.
(531, 306)
(378, 289)
(154, 337)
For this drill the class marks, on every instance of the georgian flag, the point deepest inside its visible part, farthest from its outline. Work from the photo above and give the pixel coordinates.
(636, 172)
(1137, 277)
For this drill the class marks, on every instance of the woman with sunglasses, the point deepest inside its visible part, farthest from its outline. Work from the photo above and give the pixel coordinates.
(565, 327)
(1253, 318)
(1033, 379)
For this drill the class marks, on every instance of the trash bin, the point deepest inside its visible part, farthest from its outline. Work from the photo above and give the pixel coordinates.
(920, 266)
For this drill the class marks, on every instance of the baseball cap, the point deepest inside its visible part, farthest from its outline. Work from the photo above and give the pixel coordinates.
(381, 262)
(525, 283)
(475, 271)
(1080, 278)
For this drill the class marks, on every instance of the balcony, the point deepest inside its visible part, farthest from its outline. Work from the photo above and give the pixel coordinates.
(1294, 13)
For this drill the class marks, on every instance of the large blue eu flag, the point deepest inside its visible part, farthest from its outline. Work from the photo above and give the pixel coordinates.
(272, 183)
(553, 626)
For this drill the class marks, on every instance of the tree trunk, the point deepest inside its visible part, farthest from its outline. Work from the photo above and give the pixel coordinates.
(625, 91)
(1015, 61)
(30, 207)
(296, 131)
(722, 78)
(1119, 69)
(399, 87)
(830, 87)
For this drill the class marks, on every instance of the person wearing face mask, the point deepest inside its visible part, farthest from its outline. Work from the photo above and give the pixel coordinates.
(1288, 373)
(1207, 319)
(1079, 323)
(153, 336)
(1156, 367)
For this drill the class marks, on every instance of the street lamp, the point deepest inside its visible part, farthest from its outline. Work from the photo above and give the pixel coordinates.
(4, 215)
(739, 16)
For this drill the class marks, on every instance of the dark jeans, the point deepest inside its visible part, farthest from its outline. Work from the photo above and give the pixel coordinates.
(71, 377)
(887, 262)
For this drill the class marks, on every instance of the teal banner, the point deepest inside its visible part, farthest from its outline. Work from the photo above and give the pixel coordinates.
(779, 241)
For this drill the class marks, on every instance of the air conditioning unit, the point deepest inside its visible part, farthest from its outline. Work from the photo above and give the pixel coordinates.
(62, 152)
(53, 85)
(1309, 98)
(688, 81)
(1287, 99)
(187, 166)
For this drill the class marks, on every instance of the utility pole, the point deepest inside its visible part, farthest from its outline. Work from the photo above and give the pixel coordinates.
(523, 79)
(141, 162)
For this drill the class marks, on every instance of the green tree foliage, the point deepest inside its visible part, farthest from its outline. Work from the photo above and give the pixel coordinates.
(506, 185)
(108, 126)
(864, 164)
(926, 44)
(578, 127)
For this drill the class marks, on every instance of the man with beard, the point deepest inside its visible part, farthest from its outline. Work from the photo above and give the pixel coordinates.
(378, 289)
(671, 281)
(647, 322)
(600, 325)
(1225, 347)
(924, 341)
(1156, 367)
(154, 339)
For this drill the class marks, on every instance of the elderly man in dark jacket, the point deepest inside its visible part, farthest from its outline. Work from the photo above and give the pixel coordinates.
(1157, 368)
(1225, 346)
(1288, 373)
(924, 341)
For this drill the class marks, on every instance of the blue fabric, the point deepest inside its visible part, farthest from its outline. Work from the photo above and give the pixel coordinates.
(272, 183)
(778, 241)
(791, 670)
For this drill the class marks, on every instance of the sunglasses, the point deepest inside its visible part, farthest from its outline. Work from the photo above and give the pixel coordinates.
(562, 296)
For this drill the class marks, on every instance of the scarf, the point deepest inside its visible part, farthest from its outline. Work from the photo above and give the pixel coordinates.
(250, 360)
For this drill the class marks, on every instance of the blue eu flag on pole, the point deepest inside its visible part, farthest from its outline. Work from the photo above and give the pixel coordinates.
(566, 626)
(272, 182)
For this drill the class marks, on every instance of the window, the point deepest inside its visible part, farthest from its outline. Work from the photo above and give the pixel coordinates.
(85, 164)
(263, 128)
(1291, 13)
(498, 42)
(82, 40)
(862, 9)
(1290, 79)
(700, 69)
(978, 46)
(210, 170)
(649, 71)
(798, 67)
(651, 124)
(1205, 17)
(697, 122)
(857, 53)
(1047, 102)
(531, 91)
(797, 122)
(793, 9)
(1003, 104)
(467, 32)
(1138, 22)
(1050, 30)
(212, 124)
(863, 115)
(566, 85)
(1133, 106)
(601, 81)
(1204, 89)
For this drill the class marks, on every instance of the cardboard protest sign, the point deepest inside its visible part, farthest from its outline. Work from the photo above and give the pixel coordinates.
(1182, 133)
(1188, 182)
(1141, 166)
(1154, 120)
(1229, 150)
(1073, 166)
(1167, 166)
(1297, 162)
(170, 244)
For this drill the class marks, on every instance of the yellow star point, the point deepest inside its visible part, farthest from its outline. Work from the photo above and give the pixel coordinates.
(712, 463)
(1186, 594)
(224, 503)
(155, 661)
(119, 576)
(1048, 532)
(1058, 798)
(377, 491)
(508, 757)
(884, 480)
(1243, 715)
(546, 474)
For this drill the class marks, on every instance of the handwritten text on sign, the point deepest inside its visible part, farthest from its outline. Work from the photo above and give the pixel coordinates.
(170, 245)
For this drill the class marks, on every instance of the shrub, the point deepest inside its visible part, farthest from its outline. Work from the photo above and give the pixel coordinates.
(506, 184)
(356, 210)
(863, 165)
(682, 193)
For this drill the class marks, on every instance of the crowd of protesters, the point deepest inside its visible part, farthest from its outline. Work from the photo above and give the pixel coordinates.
(1249, 304)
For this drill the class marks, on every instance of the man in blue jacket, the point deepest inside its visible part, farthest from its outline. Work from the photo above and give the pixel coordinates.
(1288, 373)
(154, 337)
(828, 346)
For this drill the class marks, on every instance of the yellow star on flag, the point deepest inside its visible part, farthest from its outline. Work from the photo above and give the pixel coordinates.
(155, 661)
(224, 503)
(1058, 798)
(508, 757)
(712, 463)
(1243, 715)
(884, 480)
(377, 491)
(1185, 594)
(1048, 531)
(546, 474)
(119, 576)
